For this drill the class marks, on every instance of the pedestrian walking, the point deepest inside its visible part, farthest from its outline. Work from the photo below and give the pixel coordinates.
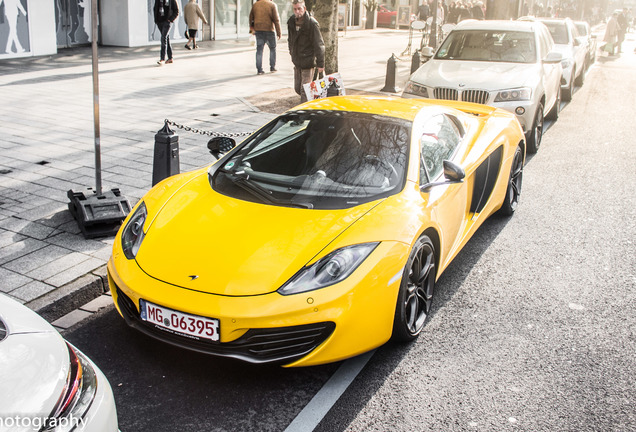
(306, 47)
(611, 34)
(166, 12)
(193, 14)
(265, 26)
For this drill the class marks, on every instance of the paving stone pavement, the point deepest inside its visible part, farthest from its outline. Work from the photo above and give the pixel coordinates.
(47, 143)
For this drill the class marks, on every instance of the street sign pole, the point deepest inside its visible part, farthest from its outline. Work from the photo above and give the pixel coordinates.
(98, 158)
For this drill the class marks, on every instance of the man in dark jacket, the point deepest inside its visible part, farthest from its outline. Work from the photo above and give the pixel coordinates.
(166, 11)
(306, 47)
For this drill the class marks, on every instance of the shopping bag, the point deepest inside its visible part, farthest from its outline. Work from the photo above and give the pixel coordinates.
(329, 85)
(608, 47)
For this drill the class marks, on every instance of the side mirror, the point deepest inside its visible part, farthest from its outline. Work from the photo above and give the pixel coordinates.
(593, 36)
(220, 145)
(427, 52)
(553, 57)
(453, 173)
(577, 42)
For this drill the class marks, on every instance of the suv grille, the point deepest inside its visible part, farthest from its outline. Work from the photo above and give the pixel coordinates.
(446, 93)
(476, 96)
(260, 345)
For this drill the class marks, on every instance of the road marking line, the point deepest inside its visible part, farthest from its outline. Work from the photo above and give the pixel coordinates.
(321, 403)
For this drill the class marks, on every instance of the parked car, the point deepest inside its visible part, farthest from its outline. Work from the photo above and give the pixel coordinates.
(387, 16)
(45, 380)
(506, 64)
(583, 27)
(322, 234)
(572, 47)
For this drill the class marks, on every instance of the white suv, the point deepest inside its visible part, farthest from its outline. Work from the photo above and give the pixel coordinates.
(506, 64)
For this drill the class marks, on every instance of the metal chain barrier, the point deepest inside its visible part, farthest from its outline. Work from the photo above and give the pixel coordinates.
(206, 132)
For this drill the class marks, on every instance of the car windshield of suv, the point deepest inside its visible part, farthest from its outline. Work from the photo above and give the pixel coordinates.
(489, 45)
(559, 32)
(581, 28)
(318, 159)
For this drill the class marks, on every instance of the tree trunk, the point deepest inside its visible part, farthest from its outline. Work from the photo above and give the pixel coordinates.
(326, 13)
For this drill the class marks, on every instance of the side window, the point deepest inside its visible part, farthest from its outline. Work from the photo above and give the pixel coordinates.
(440, 137)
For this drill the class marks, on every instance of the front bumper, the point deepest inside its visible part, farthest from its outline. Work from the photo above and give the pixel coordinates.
(304, 329)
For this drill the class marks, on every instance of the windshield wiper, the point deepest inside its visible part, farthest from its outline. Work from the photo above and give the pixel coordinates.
(242, 179)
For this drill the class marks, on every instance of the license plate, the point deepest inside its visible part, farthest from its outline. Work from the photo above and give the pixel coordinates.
(180, 323)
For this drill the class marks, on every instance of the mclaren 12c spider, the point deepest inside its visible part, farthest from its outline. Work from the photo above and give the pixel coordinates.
(322, 234)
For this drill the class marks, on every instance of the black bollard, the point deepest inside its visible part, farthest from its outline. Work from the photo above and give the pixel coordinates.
(416, 61)
(391, 74)
(166, 156)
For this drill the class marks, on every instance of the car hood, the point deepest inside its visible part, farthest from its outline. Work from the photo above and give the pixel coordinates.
(34, 363)
(208, 242)
(475, 75)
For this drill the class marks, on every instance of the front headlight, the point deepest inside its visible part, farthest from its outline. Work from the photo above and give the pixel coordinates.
(333, 268)
(416, 89)
(518, 94)
(133, 233)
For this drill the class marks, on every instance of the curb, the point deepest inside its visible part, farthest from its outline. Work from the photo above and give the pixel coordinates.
(71, 296)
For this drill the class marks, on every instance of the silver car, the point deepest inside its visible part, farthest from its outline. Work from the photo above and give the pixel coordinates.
(573, 48)
(506, 64)
(46, 384)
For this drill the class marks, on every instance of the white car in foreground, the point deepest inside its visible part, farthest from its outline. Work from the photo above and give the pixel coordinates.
(505, 64)
(46, 384)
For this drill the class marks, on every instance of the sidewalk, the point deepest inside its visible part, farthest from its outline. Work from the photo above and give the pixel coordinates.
(47, 140)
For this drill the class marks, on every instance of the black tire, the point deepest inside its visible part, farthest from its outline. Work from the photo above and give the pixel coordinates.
(514, 185)
(553, 115)
(581, 78)
(536, 133)
(416, 291)
(568, 92)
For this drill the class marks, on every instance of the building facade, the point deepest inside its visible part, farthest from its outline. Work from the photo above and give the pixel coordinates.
(42, 27)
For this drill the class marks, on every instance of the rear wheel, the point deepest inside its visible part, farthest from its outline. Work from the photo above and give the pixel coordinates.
(536, 134)
(514, 185)
(416, 291)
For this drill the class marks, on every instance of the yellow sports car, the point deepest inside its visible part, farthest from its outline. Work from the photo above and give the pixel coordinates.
(320, 236)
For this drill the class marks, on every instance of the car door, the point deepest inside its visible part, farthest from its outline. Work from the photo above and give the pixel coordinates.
(440, 138)
(578, 47)
(552, 72)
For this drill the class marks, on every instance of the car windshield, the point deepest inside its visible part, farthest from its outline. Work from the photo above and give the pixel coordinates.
(489, 45)
(582, 29)
(318, 159)
(559, 32)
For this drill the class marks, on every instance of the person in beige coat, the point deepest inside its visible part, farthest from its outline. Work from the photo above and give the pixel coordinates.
(192, 13)
(264, 21)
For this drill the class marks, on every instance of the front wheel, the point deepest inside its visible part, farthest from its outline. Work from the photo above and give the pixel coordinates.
(553, 115)
(416, 291)
(568, 92)
(536, 134)
(514, 185)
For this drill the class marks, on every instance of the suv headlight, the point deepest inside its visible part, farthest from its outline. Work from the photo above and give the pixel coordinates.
(416, 89)
(133, 233)
(517, 94)
(333, 268)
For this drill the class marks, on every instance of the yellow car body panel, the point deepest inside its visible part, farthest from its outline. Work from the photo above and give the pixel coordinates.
(243, 252)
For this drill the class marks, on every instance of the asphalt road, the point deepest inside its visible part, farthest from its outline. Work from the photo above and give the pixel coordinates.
(533, 326)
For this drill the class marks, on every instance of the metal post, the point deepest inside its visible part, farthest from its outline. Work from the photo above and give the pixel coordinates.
(98, 159)
(391, 73)
(432, 40)
(416, 61)
(166, 154)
